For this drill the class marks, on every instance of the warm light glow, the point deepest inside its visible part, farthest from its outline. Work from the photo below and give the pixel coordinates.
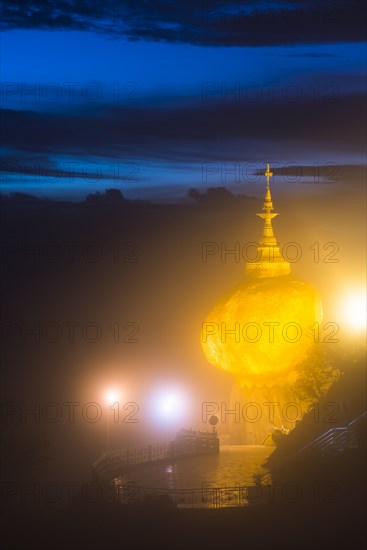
(274, 319)
(353, 310)
(266, 326)
(111, 396)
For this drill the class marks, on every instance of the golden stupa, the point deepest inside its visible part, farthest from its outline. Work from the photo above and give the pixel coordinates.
(260, 331)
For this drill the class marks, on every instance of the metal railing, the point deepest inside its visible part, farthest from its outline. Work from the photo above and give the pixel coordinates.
(128, 457)
(156, 452)
(204, 497)
(337, 440)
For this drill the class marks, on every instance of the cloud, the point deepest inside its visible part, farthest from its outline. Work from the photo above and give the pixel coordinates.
(193, 146)
(191, 133)
(206, 23)
(311, 55)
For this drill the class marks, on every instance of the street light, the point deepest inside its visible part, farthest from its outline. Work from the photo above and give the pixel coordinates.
(111, 396)
(170, 406)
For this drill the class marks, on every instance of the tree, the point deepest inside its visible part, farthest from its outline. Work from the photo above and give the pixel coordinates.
(213, 195)
(110, 195)
(316, 375)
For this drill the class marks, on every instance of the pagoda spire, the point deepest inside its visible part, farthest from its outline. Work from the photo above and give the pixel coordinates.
(268, 204)
(269, 262)
(268, 238)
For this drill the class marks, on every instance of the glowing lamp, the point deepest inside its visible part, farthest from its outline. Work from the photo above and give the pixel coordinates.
(111, 396)
(353, 310)
(169, 405)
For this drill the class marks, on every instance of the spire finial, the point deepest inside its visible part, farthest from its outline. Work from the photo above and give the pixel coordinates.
(268, 175)
(268, 204)
(271, 262)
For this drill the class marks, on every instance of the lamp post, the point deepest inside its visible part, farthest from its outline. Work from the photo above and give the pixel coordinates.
(111, 397)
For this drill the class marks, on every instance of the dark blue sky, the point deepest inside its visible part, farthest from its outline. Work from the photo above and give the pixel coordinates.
(154, 97)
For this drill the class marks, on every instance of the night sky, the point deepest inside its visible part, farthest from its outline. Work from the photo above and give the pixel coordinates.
(154, 97)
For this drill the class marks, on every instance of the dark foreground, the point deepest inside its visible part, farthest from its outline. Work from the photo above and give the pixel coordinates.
(113, 526)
